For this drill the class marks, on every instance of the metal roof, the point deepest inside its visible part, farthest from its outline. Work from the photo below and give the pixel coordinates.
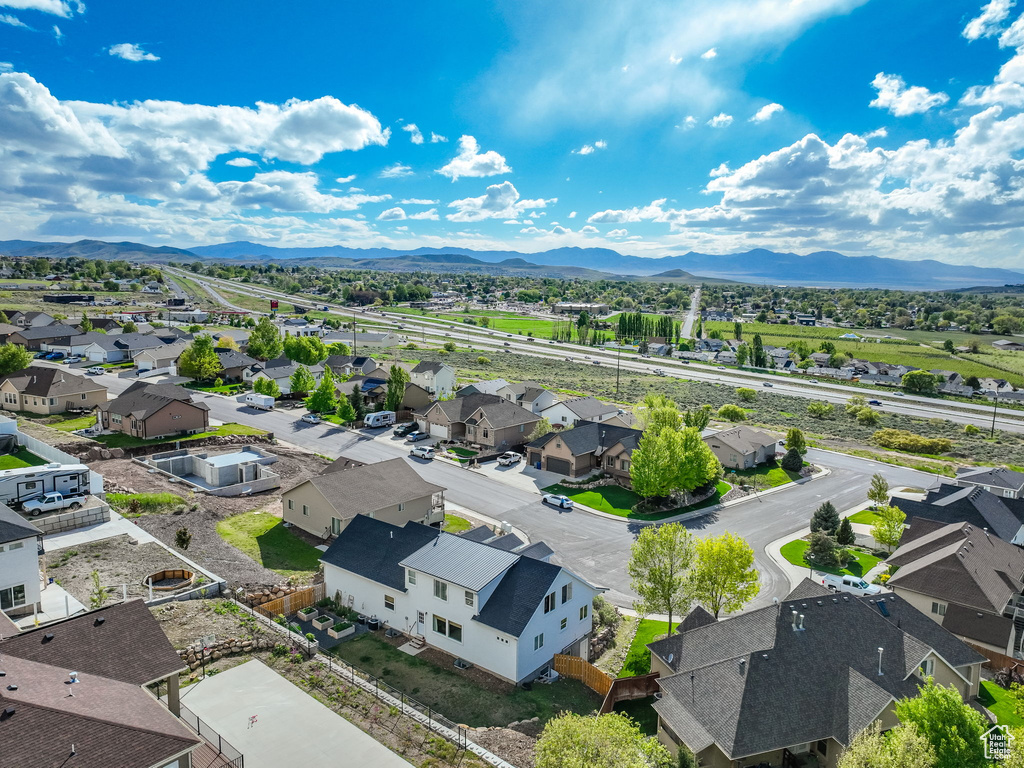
(455, 559)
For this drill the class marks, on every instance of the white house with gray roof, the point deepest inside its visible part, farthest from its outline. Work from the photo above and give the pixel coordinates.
(436, 378)
(998, 480)
(506, 611)
(569, 413)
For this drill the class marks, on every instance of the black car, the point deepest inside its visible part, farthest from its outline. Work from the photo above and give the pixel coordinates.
(405, 429)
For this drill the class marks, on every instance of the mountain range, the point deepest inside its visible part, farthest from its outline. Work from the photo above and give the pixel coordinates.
(822, 268)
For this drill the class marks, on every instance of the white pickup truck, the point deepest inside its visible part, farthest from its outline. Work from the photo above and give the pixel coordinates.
(50, 502)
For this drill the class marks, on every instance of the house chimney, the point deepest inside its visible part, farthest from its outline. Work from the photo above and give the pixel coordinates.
(801, 622)
(880, 650)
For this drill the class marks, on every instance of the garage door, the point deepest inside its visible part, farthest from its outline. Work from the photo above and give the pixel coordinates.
(439, 430)
(559, 466)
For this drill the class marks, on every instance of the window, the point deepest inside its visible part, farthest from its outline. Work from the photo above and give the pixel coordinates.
(440, 625)
(470, 598)
(116, 418)
(305, 510)
(928, 667)
(16, 545)
(335, 526)
(412, 577)
(448, 628)
(401, 507)
(291, 504)
(566, 592)
(83, 397)
(53, 400)
(939, 609)
(538, 642)
(563, 623)
(12, 597)
(389, 602)
(584, 612)
(624, 465)
(485, 433)
(440, 590)
(549, 603)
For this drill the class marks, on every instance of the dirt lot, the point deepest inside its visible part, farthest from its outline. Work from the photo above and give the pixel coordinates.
(117, 562)
(207, 548)
(186, 622)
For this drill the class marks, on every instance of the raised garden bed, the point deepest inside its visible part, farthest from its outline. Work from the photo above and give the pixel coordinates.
(308, 614)
(323, 622)
(342, 629)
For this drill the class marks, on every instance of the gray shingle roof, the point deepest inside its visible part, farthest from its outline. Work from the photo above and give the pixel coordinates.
(142, 399)
(516, 598)
(369, 487)
(282, 367)
(589, 407)
(48, 381)
(230, 358)
(589, 436)
(427, 366)
(952, 504)
(979, 626)
(497, 411)
(373, 549)
(999, 477)
(455, 559)
(48, 332)
(13, 527)
(743, 439)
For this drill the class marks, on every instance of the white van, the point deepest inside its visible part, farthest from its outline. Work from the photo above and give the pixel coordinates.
(256, 400)
(379, 419)
(855, 585)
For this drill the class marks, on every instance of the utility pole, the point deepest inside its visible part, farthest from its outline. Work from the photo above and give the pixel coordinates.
(995, 405)
(618, 361)
(353, 335)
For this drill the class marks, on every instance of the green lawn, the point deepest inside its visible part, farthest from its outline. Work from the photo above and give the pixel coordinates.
(224, 389)
(773, 476)
(70, 425)
(21, 458)
(999, 702)
(456, 524)
(616, 500)
(148, 502)
(465, 453)
(859, 565)
(642, 712)
(127, 441)
(264, 538)
(638, 660)
(865, 516)
(459, 698)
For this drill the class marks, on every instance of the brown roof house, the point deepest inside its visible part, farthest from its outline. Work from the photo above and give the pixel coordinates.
(390, 491)
(482, 419)
(968, 580)
(80, 692)
(742, 447)
(149, 411)
(46, 389)
(589, 448)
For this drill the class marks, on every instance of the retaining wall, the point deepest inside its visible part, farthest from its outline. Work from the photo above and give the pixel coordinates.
(69, 521)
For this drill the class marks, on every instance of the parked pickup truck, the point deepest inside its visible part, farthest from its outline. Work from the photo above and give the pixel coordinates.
(51, 502)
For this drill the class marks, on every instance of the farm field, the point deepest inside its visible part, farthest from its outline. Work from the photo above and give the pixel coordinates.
(246, 301)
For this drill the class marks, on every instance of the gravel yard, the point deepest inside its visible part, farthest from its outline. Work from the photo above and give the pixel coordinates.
(186, 622)
(207, 548)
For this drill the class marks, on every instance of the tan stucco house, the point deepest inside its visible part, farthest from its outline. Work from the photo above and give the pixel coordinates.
(481, 419)
(589, 448)
(149, 411)
(742, 447)
(46, 389)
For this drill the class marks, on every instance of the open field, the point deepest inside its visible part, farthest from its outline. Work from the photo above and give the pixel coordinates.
(246, 301)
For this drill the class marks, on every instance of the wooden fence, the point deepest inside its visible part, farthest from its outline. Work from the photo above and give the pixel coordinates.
(996, 660)
(628, 688)
(296, 601)
(577, 668)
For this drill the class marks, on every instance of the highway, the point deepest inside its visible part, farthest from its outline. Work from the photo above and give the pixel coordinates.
(440, 330)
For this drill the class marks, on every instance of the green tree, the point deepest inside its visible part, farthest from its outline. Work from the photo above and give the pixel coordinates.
(948, 346)
(902, 747)
(792, 461)
(722, 576)
(266, 386)
(758, 358)
(854, 404)
(954, 729)
(737, 330)
(199, 361)
(658, 567)
(845, 536)
(227, 342)
(85, 326)
(98, 593)
(129, 327)
(449, 346)
(696, 464)
(795, 441)
(746, 394)
(345, 411)
(731, 412)
(397, 380)
(656, 411)
(357, 402)
(339, 348)
(819, 409)
(698, 418)
(652, 468)
(825, 518)
(868, 417)
(920, 382)
(265, 341)
(878, 492)
(302, 381)
(888, 530)
(542, 428)
(821, 550)
(13, 358)
(742, 355)
(606, 741)
(324, 399)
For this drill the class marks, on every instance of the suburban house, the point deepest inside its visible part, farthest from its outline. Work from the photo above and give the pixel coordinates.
(569, 413)
(34, 337)
(46, 389)
(1008, 345)
(800, 678)
(6, 329)
(20, 590)
(158, 358)
(742, 447)
(300, 326)
(390, 490)
(502, 611)
(147, 411)
(997, 480)
(117, 658)
(374, 389)
(119, 347)
(280, 370)
(30, 319)
(967, 580)
(347, 365)
(1003, 516)
(486, 420)
(589, 448)
(234, 363)
(438, 379)
(72, 345)
(359, 340)
(108, 324)
(526, 394)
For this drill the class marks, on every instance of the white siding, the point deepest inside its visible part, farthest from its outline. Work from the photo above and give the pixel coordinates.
(549, 624)
(19, 565)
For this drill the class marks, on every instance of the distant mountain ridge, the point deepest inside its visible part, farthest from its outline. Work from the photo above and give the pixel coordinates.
(822, 268)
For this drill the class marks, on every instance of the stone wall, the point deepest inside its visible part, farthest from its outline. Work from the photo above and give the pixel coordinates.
(193, 654)
(270, 593)
(68, 521)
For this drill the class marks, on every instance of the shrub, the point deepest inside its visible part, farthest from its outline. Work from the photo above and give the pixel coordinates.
(605, 614)
(868, 417)
(341, 626)
(483, 360)
(746, 394)
(792, 461)
(279, 650)
(819, 409)
(970, 429)
(310, 636)
(731, 412)
(902, 440)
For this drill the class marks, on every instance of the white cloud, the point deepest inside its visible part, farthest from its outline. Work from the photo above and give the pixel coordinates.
(396, 171)
(354, 189)
(428, 215)
(6, 66)
(895, 96)
(470, 162)
(419, 201)
(131, 52)
(721, 120)
(242, 162)
(279, 191)
(14, 21)
(55, 7)
(765, 113)
(572, 215)
(57, 34)
(709, 54)
(989, 21)
(689, 123)
(392, 214)
(589, 230)
(500, 201)
(346, 179)
(588, 149)
(414, 133)
(878, 133)
(721, 170)
(618, 233)
(673, 59)
(436, 138)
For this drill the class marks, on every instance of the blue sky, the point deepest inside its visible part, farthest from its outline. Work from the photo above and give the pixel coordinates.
(889, 128)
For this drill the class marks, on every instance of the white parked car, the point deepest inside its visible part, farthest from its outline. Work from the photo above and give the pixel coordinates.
(562, 502)
(422, 452)
(96, 371)
(855, 585)
(73, 359)
(52, 501)
(509, 458)
(311, 418)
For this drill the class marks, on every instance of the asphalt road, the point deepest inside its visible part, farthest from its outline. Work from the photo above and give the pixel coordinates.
(595, 547)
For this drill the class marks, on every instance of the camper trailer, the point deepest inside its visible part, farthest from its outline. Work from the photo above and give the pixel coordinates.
(19, 485)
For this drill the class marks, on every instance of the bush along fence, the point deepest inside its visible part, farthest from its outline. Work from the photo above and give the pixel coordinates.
(344, 672)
